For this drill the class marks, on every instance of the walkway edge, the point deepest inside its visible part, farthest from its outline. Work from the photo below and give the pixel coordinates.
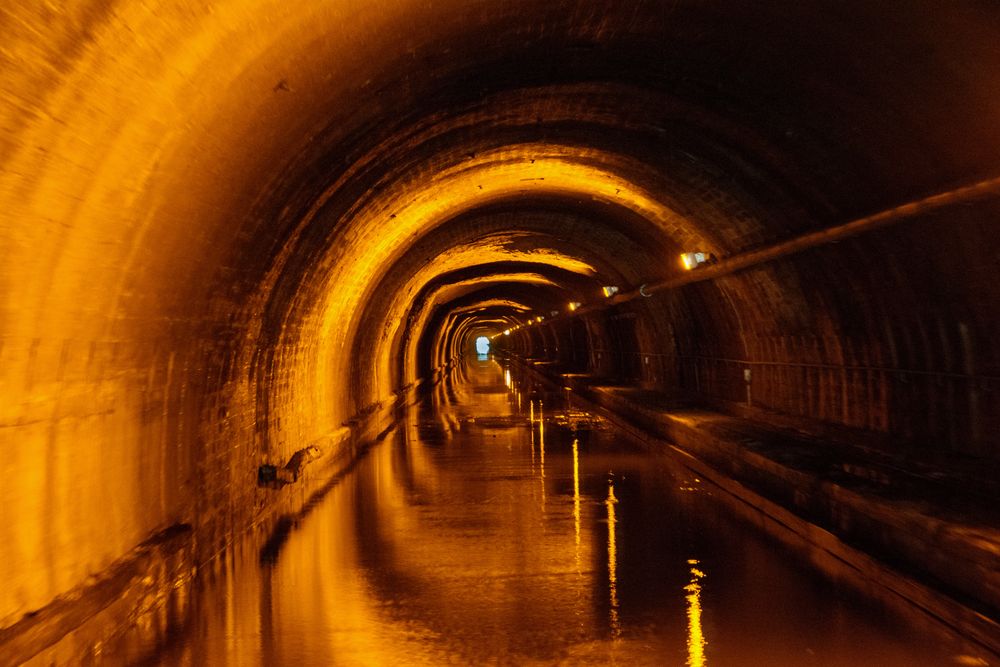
(961, 618)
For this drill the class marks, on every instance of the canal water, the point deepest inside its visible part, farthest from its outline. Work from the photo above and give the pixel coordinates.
(498, 524)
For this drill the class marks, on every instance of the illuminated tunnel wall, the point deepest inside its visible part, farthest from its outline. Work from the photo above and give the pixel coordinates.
(230, 227)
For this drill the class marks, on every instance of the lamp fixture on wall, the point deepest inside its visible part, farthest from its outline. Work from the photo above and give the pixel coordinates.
(692, 260)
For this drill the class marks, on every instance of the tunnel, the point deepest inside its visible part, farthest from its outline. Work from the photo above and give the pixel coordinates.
(243, 240)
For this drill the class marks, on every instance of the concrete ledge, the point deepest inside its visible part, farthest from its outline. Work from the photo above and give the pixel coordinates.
(123, 613)
(961, 554)
(943, 562)
(75, 627)
(352, 442)
(91, 621)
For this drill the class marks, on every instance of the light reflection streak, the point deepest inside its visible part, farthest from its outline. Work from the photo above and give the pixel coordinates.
(696, 640)
(616, 629)
(576, 499)
(506, 377)
(541, 447)
(541, 438)
(531, 432)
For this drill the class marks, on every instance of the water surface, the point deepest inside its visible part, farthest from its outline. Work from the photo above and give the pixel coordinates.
(498, 525)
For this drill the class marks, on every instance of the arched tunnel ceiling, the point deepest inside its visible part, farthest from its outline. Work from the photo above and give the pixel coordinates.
(628, 101)
(523, 300)
(210, 210)
(279, 117)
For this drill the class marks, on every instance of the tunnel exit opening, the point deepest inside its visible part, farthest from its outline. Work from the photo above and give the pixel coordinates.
(482, 346)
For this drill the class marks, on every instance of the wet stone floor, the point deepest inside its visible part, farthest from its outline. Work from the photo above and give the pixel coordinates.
(499, 525)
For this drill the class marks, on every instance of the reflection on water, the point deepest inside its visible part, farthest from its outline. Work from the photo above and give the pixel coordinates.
(696, 640)
(531, 433)
(576, 501)
(455, 542)
(616, 628)
(541, 443)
